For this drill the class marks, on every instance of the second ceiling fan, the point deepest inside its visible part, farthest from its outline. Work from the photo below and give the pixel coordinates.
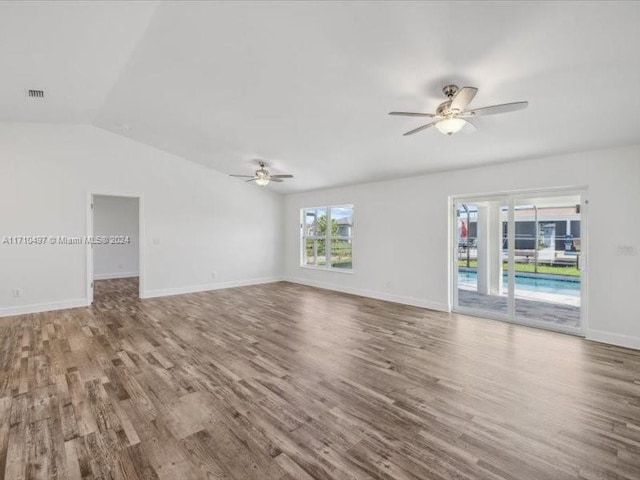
(452, 115)
(262, 176)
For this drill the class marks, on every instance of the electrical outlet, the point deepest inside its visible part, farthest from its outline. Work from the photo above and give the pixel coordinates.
(626, 251)
(17, 292)
(120, 266)
(213, 275)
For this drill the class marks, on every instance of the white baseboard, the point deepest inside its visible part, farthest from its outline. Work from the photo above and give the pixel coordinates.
(165, 292)
(389, 297)
(614, 339)
(42, 307)
(112, 276)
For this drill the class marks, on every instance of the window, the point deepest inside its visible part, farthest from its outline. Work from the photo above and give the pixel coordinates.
(323, 247)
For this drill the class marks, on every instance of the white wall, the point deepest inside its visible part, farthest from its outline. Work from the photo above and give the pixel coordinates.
(115, 216)
(401, 233)
(196, 221)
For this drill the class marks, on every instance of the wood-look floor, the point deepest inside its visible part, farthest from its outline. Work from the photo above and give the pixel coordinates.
(287, 382)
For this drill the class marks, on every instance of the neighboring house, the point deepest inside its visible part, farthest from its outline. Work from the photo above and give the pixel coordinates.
(345, 226)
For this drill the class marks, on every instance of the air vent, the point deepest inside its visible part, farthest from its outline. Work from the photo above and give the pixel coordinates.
(35, 93)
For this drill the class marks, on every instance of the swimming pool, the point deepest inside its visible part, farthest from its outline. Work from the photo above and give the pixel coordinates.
(529, 283)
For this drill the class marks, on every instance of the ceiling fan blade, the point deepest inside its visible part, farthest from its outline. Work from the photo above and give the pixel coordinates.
(419, 129)
(495, 109)
(413, 114)
(281, 176)
(252, 180)
(462, 98)
(242, 176)
(469, 127)
(275, 179)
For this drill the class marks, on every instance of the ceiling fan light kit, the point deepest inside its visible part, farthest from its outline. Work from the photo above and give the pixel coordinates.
(452, 115)
(449, 126)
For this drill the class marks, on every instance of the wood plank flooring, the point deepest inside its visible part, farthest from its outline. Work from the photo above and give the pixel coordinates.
(287, 382)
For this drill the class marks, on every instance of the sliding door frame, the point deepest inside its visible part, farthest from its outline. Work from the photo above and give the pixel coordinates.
(510, 198)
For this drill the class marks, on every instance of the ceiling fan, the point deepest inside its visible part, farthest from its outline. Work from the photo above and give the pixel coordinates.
(262, 176)
(451, 116)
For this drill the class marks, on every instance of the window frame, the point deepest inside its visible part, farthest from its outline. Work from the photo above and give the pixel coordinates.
(327, 237)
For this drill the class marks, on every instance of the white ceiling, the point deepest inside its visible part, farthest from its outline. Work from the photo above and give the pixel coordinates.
(75, 51)
(307, 86)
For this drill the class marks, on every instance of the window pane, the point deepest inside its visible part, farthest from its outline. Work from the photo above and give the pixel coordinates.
(322, 251)
(323, 224)
(342, 221)
(341, 253)
(310, 252)
(315, 252)
(315, 221)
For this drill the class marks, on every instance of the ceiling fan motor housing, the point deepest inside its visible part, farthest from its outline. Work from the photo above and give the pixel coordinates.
(262, 171)
(444, 108)
(450, 90)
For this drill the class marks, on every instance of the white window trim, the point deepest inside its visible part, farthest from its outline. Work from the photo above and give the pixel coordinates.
(327, 238)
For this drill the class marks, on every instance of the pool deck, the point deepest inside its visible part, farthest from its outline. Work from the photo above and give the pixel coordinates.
(538, 296)
(565, 314)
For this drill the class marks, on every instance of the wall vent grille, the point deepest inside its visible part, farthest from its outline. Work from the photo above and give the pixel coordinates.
(35, 93)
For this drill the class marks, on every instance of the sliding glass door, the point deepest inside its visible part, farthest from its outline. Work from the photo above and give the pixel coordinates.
(480, 243)
(547, 257)
(520, 258)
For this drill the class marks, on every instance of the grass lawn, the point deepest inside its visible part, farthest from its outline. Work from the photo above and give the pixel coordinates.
(530, 267)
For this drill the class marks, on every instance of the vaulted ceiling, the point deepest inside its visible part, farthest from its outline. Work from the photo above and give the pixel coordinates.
(307, 86)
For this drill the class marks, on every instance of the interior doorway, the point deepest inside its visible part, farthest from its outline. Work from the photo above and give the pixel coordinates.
(114, 249)
(522, 258)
